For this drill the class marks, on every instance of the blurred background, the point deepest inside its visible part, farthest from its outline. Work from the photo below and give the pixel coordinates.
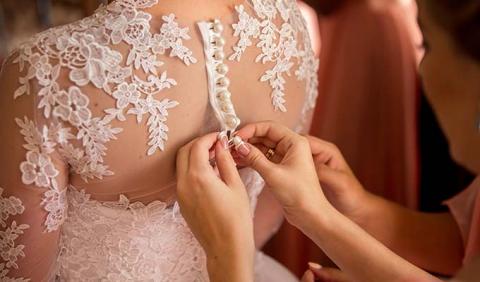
(371, 103)
(20, 19)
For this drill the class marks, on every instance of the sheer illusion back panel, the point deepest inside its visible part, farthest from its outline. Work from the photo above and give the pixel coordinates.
(142, 177)
(22, 191)
(102, 105)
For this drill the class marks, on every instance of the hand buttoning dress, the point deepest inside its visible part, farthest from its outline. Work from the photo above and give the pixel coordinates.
(94, 112)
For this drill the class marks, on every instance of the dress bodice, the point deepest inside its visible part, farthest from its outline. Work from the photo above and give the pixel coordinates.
(95, 111)
(123, 241)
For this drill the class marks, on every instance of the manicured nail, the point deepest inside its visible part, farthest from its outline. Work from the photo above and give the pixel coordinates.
(313, 265)
(243, 150)
(223, 139)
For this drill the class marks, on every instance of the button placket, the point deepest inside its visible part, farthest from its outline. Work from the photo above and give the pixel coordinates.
(220, 96)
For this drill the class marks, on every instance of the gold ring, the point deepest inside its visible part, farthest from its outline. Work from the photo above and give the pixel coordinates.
(270, 153)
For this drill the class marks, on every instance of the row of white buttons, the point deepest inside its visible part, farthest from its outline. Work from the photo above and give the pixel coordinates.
(224, 101)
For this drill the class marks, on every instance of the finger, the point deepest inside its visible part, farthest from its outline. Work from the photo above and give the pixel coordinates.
(276, 158)
(321, 148)
(254, 158)
(200, 152)
(326, 152)
(262, 140)
(282, 137)
(226, 166)
(318, 144)
(308, 276)
(329, 274)
(330, 176)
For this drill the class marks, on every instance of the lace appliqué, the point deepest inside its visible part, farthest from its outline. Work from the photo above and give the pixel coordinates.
(124, 241)
(55, 203)
(131, 241)
(9, 251)
(84, 51)
(38, 168)
(128, 94)
(278, 45)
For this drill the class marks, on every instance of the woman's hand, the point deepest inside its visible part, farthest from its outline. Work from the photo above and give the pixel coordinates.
(292, 177)
(216, 208)
(339, 184)
(388, 222)
(289, 173)
(337, 180)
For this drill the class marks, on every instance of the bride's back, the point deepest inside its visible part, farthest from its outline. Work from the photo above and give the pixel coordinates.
(140, 66)
(193, 115)
(103, 104)
(130, 84)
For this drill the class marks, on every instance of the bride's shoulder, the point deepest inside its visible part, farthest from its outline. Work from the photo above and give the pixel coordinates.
(98, 49)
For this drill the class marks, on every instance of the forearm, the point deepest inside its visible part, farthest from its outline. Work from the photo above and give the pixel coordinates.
(431, 241)
(231, 266)
(357, 253)
(231, 258)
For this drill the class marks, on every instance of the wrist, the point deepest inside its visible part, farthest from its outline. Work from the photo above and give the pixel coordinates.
(234, 246)
(234, 263)
(366, 209)
(312, 209)
(314, 218)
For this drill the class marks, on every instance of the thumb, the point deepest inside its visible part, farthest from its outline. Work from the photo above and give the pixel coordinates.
(226, 166)
(251, 156)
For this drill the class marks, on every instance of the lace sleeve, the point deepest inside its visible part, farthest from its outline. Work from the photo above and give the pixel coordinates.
(33, 177)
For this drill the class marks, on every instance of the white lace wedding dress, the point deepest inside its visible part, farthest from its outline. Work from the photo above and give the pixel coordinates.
(92, 114)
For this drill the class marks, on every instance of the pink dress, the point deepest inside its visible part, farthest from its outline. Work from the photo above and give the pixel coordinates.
(465, 208)
(368, 93)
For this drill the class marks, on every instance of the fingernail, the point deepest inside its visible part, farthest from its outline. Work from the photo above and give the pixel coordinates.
(243, 150)
(223, 139)
(313, 265)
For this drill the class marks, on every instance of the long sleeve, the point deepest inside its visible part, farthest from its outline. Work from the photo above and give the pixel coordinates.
(33, 178)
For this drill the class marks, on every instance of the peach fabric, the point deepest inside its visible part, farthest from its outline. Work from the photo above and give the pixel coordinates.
(368, 94)
(465, 208)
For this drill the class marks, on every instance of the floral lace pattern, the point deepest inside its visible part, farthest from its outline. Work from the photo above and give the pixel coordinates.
(279, 45)
(9, 251)
(84, 51)
(38, 168)
(124, 241)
